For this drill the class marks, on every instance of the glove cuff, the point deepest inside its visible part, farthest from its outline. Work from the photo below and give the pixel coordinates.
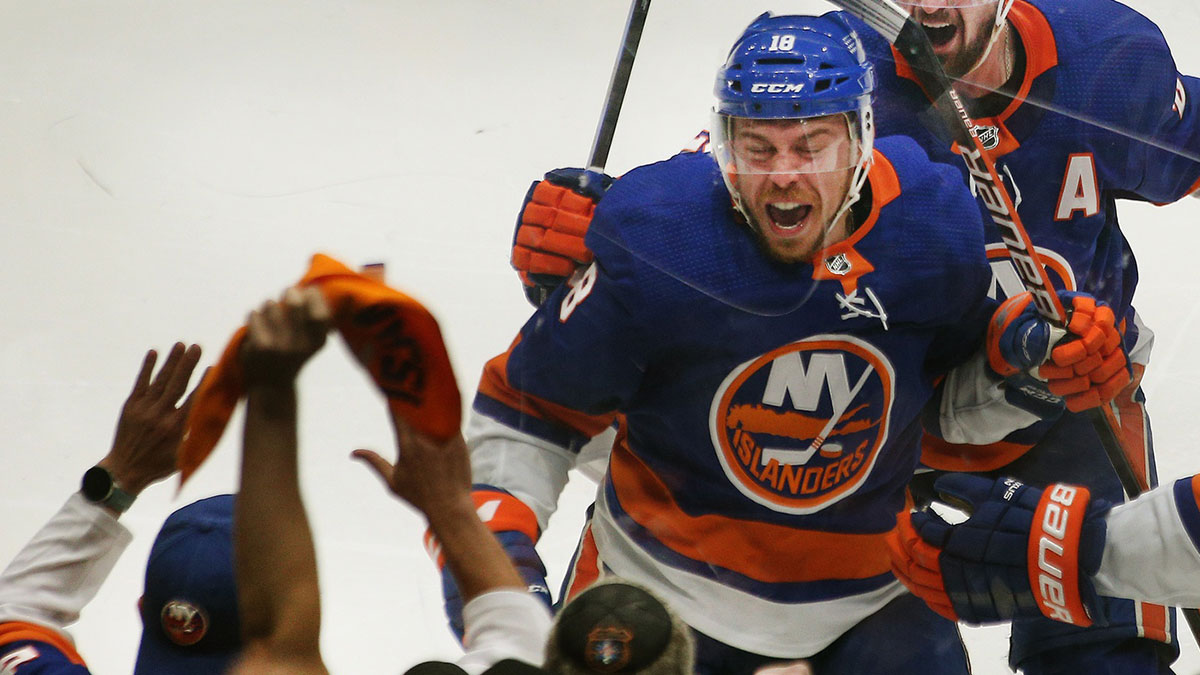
(999, 329)
(1054, 554)
(500, 511)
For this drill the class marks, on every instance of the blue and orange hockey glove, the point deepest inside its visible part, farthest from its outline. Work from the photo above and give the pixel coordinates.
(1024, 552)
(515, 526)
(1082, 364)
(548, 242)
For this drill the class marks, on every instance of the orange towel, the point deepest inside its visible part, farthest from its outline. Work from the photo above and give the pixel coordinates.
(392, 335)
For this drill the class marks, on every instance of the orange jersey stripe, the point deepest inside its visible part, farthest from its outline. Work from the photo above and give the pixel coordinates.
(938, 454)
(885, 187)
(17, 631)
(587, 566)
(494, 384)
(747, 547)
(1153, 622)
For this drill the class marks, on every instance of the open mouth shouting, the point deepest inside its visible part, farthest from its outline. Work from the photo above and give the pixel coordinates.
(940, 31)
(788, 218)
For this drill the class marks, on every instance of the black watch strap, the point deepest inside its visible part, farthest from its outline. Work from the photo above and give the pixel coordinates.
(99, 487)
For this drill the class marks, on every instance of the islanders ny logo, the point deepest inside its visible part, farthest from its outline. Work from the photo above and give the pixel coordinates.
(800, 427)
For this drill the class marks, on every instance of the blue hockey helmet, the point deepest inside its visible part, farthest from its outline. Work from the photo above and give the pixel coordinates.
(796, 67)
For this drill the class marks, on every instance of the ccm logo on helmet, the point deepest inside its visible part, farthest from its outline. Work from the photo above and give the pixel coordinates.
(1050, 559)
(776, 88)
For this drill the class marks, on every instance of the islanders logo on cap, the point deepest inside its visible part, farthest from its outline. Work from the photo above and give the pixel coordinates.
(184, 623)
(800, 427)
(608, 648)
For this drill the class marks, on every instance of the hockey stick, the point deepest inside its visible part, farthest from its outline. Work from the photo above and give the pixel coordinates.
(898, 28)
(617, 85)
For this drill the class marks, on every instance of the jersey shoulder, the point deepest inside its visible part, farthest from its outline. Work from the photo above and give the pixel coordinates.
(935, 206)
(1083, 25)
(1107, 54)
(932, 233)
(652, 206)
(671, 229)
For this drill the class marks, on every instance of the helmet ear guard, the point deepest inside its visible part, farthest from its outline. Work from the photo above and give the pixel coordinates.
(796, 67)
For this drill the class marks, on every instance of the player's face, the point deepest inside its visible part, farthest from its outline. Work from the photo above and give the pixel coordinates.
(958, 29)
(793, 176)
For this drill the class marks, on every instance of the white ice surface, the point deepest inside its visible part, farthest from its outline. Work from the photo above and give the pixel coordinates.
(165, 166)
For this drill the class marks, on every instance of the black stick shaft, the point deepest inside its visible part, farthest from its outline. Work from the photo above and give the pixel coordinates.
(617, 85)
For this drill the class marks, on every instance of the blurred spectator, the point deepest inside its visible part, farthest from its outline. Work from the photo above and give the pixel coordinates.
(189, 610)
(614, 627)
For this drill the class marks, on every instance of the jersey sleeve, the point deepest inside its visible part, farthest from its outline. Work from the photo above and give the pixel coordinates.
(62, 568)
(30, 649)
(504, 624)
(575, 363)
(1156, 110)
(1151, 551)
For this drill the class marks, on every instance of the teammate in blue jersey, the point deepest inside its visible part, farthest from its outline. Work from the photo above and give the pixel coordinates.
(1040, 78)
(758, 324)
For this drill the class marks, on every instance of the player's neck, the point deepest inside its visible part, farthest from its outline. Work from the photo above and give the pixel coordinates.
(995, 69)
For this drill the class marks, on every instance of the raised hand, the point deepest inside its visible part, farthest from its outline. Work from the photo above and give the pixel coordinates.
(282, 335)
(151, 424)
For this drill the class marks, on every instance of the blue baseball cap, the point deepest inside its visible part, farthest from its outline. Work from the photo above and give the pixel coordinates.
(190, 623)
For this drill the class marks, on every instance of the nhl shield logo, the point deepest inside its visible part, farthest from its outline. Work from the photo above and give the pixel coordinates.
(800, 427)
(838, 264)
(989, 136)
(184, 623)
(608, 648)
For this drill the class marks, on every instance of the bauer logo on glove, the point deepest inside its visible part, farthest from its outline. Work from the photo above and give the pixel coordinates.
(1023, 552)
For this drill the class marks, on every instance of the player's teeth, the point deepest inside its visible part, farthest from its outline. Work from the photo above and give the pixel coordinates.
(935, 24)
(788, 215)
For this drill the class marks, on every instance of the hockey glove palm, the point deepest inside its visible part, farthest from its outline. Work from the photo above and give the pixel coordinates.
(1023, 553)
(516, 528)
(1082, 364)
(548, 243)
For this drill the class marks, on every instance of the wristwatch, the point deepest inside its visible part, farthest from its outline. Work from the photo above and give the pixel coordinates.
(99, 487)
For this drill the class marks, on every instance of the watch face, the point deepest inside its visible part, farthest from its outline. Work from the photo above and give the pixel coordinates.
(97, 484)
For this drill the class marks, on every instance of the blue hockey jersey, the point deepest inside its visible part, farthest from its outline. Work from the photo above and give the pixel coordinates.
(30, 649)
(768, 413)
(1101, 114)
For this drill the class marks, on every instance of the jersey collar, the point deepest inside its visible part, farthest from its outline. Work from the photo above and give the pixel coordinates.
(1041, 54)
(842, 261)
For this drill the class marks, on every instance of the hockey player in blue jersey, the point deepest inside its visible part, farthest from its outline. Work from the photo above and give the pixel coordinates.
(1039, 78)
(757, 324)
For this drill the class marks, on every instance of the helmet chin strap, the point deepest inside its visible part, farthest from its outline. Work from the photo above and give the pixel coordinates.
(1002, 7)
(866, 145)
(854, 193)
